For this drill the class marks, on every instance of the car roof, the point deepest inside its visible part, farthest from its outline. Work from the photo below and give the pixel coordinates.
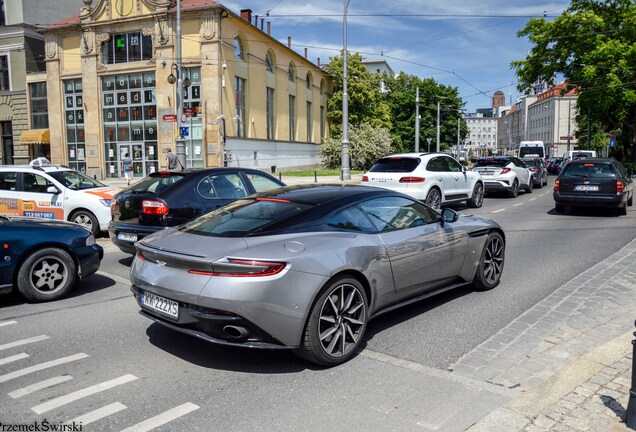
(415, 155)
(593, 160)
(45, 168)
(318, 194)
(191, 171)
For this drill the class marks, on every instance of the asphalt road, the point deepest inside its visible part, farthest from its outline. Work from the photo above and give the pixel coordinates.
(124, 371)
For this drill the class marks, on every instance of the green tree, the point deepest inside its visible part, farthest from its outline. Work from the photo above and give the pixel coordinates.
(367, 142)
(401, 97)
(365, 102)
(592, 45)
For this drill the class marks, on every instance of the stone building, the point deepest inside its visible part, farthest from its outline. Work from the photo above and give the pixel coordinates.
(248, 100)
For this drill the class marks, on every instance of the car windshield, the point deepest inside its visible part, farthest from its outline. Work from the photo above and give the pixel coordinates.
(596, 170)
(492, 162)
(581, 155)
(156, 184)
(532, 162)
(75, 180)
(242, 217)
(395, 164)
(526, 152)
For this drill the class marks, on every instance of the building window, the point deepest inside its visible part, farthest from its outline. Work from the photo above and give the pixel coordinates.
(269, 63)
(239, 51)
(309, 81)
(310, 123)
(292, 118)
(3, 19)
(7, 142)
(126, 48)
(5, 83)
(39, 106)
(74, 120)
(322, 124)
(291, 73)
(194, 121)
(240, 107)
(270, 113)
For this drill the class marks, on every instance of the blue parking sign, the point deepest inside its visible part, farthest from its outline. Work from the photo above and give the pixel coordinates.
(183, 131)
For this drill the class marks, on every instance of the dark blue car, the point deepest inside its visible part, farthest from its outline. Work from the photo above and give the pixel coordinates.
(44, 259)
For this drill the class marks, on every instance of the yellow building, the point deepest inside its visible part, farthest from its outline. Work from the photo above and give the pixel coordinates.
(248, 100)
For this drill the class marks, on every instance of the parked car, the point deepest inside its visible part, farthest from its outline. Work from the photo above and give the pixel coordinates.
(538, 170)
(435, 178)
(554, 165)
(594, 182)
(306, 267)
(170, 198)
(504, 174)
(44, 259)
(49, 191)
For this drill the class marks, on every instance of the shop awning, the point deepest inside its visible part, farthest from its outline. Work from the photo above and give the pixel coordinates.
(36, 136)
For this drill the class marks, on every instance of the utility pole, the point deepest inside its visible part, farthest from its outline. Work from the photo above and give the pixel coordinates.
(459, 119)
(417, 120)
(438, 130)
(344, 158)
(569, 103)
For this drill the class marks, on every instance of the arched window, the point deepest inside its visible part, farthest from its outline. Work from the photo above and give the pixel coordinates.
(309, 81)
(269, 62)
(239, 49)
(322, 86)
(292, 72)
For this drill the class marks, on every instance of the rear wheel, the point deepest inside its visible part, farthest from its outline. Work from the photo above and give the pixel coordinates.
(477, 198)
(491, 263)
(336, 323)
(434, 198)
(515, 189)
(630, 201)
(47, 274)
(86, 219)
(622, 210)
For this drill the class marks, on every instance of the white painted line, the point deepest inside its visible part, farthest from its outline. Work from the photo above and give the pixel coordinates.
(97, 414)
(163, 418)
(41, 366)
(79, 394)
(39, 386)
(13, 358)
(23, 342)
(517, 205)
(497, 211)
(532, 199)
(6, 323)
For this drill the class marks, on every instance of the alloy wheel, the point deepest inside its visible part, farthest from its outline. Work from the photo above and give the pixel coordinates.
(434, 199)
(342, 320)
(49, 275)
(493, 259)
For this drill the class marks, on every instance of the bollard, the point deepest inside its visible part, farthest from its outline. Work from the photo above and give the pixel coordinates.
(280, 176)
(315, 177)
(630, 418)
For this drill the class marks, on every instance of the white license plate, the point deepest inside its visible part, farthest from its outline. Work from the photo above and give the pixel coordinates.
(586, 188)
(158, 303)
(127, 237)
(486, 172)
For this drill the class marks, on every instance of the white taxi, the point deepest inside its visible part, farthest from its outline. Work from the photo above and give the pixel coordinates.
(44, 190)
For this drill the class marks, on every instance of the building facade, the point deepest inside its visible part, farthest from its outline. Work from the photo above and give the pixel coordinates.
(482, 135)
(247, 100)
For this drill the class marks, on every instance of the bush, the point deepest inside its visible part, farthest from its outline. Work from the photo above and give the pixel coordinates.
(367, 144)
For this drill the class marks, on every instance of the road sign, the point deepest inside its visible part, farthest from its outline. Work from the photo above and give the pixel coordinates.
(612, 143)
(565, 138)
(183, 131)
(170, 118)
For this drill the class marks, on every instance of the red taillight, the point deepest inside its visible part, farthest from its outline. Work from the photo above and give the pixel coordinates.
(534, 169)
(246, 268)
(556, 184)
(140, 256)
(411, 179)
(505, 170)
(113, 206)
(365, 179)
(620, 187)
(153, 207)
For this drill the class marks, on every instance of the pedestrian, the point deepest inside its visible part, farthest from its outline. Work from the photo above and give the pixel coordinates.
(126, 163)
(171, 160)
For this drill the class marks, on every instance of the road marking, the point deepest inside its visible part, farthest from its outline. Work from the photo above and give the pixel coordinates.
(41, 366)
(6, 323)
(162, 418)
(114, 277)
(23, 342)
(79, 394)
(13, 358)
(497, 211)
(517, 205)
(532, 199)
(98, 414)
(39, 386)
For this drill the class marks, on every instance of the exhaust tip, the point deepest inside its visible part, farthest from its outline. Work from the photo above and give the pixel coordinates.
(236, 332)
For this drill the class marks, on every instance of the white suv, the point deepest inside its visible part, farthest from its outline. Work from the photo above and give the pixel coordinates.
(49, 191)
(435, 178)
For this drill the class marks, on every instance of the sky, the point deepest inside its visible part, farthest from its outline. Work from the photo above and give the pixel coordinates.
(465, 44)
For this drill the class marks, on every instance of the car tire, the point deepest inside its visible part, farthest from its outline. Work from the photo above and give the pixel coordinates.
(336, 323)
(434, 198)
(491, 263)
(530, 186)
(512, 193)
(47, 274)
(559, 208)
(86, 219)
(622, 210)
(477, 199)
(630, 201)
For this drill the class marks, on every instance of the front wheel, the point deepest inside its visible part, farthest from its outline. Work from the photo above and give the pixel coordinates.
(434, 198)
(477, 199)
(515, 189)
(87, 220)
(336, 323)
(491, 263)
(47, 274)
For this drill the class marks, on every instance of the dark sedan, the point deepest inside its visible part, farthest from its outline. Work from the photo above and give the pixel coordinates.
(44, 259)
(539, 171)
(170, 198)
(594, 182)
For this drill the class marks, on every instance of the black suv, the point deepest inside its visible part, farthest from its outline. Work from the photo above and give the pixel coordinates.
(170, 198)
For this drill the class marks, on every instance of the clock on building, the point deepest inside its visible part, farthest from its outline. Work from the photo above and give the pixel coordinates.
(124, 7)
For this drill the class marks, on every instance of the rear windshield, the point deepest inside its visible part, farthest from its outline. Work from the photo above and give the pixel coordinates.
(532, 162)
(581, 155)
(242, 217)
(492, 162)
(156, 184)
(397, 165)
(525, 152)
(593, 170)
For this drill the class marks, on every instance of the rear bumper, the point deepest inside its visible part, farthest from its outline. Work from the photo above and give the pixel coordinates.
(497, 186)
(140, 231)
(587, 200)
(90, 262)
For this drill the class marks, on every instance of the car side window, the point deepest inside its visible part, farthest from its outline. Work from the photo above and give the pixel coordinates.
(396, 213)
(351, 219)
(453, 165)
(437, 164)
(35, 183)
(8, 181)
(222, 186)
(261, 183)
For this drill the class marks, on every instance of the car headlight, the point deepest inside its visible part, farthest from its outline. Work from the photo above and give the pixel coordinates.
(105, 202)
(90, 240)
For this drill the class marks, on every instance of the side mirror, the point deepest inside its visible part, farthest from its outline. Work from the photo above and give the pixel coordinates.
(464, 168)
(449, 215)
(52, 190)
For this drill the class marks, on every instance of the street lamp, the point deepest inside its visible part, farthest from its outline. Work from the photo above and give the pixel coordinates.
(344, 158)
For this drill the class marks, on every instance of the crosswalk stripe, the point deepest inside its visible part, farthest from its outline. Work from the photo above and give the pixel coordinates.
(13, 358)
(79, 394)
(23, 342)
(41, 366)
(162, 418)
(97, 414)
(39, 386)
(6, 323)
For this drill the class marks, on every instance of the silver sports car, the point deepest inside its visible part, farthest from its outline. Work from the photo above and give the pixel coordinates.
(306, 267)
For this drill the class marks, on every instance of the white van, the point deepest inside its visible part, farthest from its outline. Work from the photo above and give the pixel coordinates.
(531, 149)
(578, 154)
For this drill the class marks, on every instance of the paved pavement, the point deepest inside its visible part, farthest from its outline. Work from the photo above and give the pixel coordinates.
(568, 360)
